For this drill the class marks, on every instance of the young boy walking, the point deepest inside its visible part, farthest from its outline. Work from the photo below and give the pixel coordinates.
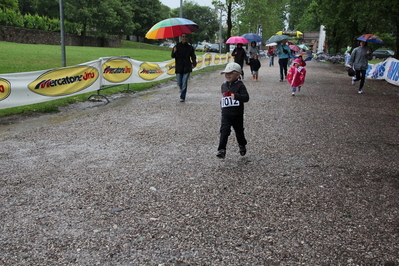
(234, 94)
(255, 65)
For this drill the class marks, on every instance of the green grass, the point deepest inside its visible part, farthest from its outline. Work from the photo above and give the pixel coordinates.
(17, 57)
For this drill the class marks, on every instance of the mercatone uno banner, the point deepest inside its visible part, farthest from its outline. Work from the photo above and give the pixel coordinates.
(19, 89)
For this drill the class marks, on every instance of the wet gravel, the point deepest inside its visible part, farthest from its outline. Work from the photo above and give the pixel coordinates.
(137, 181)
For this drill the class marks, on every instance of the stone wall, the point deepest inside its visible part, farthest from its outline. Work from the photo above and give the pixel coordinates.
(21, 35)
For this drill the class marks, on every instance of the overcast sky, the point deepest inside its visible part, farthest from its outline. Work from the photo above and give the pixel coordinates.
(176, 3)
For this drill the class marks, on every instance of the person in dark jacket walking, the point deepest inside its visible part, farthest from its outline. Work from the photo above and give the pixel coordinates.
(232, 104)
(240, 56)
(185, 61)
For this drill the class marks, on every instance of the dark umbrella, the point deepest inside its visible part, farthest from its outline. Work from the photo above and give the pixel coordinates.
(252, 37)
(277, 38)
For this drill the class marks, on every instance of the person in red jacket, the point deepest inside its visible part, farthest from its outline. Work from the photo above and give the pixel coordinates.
(302, 62)
(296, 76)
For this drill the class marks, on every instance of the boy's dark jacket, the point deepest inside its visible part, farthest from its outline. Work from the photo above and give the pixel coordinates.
(255, 64)
(185, 58)
(240, 93)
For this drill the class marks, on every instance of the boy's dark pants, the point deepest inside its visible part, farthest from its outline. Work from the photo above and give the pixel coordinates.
(235, 121)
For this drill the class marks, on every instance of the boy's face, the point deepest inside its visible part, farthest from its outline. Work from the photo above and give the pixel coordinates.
(232, 76)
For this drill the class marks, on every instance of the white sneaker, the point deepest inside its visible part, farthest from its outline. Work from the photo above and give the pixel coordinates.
(293, 94)
(360, 91)
(353, 81)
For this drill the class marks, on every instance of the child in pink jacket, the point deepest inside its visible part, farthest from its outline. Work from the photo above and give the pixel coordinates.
(296, 75)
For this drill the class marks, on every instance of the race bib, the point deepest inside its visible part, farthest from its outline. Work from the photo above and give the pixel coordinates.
(229, 102)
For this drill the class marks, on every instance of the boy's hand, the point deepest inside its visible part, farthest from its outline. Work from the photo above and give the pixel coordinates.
(232, 96)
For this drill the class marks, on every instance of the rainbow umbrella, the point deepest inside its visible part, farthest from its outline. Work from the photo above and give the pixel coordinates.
(170, 28)
(237, 39)
(370, 38)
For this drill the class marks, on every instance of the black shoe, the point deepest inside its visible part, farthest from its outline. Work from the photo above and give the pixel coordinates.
(243, 150)
(221, 154)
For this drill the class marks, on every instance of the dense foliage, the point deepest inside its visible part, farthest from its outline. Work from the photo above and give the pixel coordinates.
(347, 20)
(344, 20)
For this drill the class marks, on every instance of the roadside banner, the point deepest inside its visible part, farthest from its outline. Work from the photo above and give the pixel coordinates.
(387, 70)
(18, 89)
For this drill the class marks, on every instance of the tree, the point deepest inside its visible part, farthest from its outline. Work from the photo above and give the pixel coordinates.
(268, 13)
(9, 4)
(303, 15)
(205, 17)
(48, 8)
(345, 21)
(100, 17)
(145, 16)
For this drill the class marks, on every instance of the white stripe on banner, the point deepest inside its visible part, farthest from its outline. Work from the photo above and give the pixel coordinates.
(19, 89)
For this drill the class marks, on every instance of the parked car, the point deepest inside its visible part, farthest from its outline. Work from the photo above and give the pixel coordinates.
(202, 48)
(215, 48)
(170, 45)
(383, 54)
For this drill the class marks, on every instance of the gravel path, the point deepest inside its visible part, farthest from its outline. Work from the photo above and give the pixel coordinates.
(137, 182)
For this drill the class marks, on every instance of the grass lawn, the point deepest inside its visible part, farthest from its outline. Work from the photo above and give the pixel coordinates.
(18, 57)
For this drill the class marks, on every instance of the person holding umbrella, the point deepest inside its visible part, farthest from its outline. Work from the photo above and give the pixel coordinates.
(240, 55)
(283, 52)
(185, 61)
(359, 61)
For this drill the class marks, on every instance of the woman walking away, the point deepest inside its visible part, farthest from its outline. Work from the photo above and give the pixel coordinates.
(283, 52)
(359, 61)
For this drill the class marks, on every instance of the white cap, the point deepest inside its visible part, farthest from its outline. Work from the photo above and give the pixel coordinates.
(231, 67)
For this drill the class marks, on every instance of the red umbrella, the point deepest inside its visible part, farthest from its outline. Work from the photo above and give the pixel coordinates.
(170, 28)
(237, 39)
(294, 47)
